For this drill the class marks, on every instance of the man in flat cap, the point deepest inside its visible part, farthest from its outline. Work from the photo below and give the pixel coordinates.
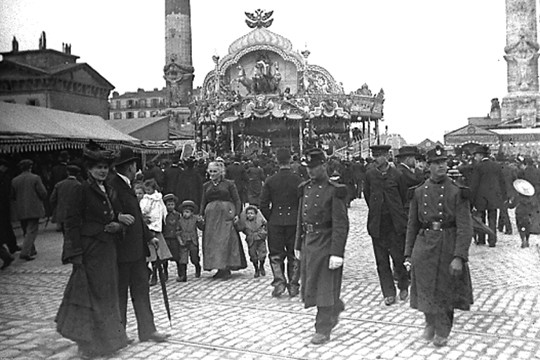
(488, 191)
(321, 234)
(439, 233)
(386, 194)
(279, 205)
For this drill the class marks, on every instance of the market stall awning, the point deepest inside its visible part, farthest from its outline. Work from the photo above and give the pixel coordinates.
(32, 128)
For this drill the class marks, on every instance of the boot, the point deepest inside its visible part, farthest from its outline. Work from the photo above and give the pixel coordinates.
(182, 273)
(261, 268)
(166, 270)
(294, 277)
(5, 256)
(197, 270)
(256, 266)
(153, 278)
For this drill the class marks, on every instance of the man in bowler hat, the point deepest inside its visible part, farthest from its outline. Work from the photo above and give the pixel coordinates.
(385, 192)
(488, 190)
(321, 235)
(132, 249)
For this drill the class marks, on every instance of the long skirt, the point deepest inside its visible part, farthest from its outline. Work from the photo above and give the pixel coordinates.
(221, 244)
(89, 313)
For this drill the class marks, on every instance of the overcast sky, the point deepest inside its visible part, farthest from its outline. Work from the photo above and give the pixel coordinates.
(438, 62)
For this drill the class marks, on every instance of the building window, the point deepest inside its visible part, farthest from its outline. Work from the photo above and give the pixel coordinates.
(32, 102)
(142, 103)
(155, 103)
(153, 113)
(129, 115)
(117, 115)
(130, 104)
(142, 114)
(118, 104)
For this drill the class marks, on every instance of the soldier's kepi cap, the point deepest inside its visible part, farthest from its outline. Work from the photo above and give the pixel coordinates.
(314, 157)
(379, 150)
(436, 154)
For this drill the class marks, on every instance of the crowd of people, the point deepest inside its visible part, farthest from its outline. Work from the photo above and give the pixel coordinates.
(122, 226)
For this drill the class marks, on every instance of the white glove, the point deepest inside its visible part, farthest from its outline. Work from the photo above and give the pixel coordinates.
(297, 254)
(335, 262)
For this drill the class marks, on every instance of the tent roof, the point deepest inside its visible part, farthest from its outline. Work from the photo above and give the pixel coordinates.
(24, 119)
(129, 126)
(32, 128)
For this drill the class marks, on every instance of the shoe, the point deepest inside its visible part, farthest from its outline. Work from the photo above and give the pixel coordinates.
(153, 281)
(492, 245)
(278, 291)
(7, 262)
(156, 337)
(403, 294)
(130, 341)
(166, 276)
(181, 279)
(294, 290)
(440, 341)
(429, 333)
(15, 249)
(197, 271)
(262, 271)
(218, 274)
(257, 274)
(26, 257)
(389, 300)
(226, 274)
(319, 339)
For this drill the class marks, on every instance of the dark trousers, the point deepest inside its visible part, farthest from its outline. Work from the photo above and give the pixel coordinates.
(280, 247)
(440, 322)
(492, 223)
(134, 276)
(504, 220)
(390, 245)
(30, 229)
(7, 235)
(327, 317)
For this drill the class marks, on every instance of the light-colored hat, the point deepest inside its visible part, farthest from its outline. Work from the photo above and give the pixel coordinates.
(523, 187)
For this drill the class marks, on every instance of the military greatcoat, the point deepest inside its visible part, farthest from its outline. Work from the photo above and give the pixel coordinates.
(433, 289)
(322, 229)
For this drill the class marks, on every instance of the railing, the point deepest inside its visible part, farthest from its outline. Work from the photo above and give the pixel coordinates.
(356, 148)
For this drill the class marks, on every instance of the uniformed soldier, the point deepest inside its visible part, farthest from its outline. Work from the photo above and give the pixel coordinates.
(322, 229)
(386, 194)
(279, 205)
(439, 234)
(412, 176)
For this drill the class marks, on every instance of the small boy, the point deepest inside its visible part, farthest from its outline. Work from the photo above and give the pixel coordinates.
(188, 239)
(253, 224)
(526, 209)
(169, 229)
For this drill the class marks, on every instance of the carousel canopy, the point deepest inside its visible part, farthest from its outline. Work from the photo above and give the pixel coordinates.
(32, 128)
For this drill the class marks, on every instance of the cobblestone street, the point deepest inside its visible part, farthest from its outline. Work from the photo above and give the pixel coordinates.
(238, 319)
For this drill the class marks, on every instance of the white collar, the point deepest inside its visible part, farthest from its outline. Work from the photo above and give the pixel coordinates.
(125, 178)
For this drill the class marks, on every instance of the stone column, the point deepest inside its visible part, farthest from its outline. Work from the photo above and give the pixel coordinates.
(521, 55)
(178, 71)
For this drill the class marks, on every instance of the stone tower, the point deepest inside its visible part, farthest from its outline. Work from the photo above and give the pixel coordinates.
(178, 70)
(521, 55)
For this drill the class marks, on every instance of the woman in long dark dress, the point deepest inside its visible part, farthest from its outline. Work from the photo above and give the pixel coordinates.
(90, 313)
(221, 207)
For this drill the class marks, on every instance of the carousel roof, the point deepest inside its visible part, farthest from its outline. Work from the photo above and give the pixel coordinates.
(260, 36)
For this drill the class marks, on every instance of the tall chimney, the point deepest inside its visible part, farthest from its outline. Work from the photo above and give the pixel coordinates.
(178, 70)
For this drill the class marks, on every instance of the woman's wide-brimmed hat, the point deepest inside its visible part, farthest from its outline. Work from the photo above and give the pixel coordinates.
(97, 153)
(523, 187)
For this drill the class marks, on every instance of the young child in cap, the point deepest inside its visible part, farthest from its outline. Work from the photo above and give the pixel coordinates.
(253, 224)
(154, 212)
(169, 228)
(188, 239)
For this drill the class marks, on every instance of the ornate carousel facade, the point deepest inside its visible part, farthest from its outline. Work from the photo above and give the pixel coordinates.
(263, 93)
